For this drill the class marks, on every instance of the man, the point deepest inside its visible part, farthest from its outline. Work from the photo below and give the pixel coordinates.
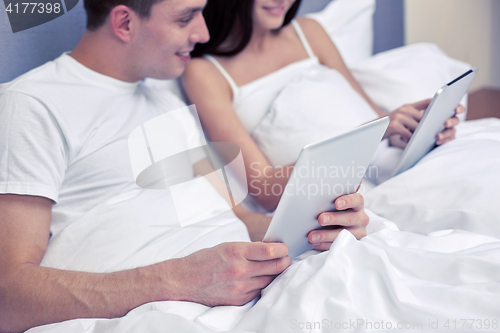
(64, 168)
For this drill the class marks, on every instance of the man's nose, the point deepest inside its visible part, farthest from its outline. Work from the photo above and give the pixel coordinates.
(200, 33)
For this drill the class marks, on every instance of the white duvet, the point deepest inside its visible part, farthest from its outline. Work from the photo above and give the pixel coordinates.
(391, 279)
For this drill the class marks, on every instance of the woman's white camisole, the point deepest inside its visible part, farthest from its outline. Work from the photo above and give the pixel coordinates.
(252, 100)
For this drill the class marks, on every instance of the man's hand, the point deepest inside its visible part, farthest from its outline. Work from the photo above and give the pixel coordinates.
(229, 273)
(405, 120)
(31, 295)
(350, 216)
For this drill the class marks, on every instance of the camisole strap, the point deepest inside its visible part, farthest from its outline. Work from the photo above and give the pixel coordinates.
(224, 73)
(303, 38)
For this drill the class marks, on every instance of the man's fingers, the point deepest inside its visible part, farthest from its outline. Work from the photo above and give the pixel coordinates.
(353, 201)
(322, 235)
(269, 267)
(258, 283)
(252, 294)
(322, 246)
(265, 251)
(358, 232)
(452, 122)
(327, 237)
(348, 218)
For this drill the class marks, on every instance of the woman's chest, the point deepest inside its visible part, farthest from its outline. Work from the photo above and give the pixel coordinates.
(251, 65)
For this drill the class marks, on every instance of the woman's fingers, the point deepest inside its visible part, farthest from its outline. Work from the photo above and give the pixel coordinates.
(405, 120)
(422, 105)
(398, 141)
(445, 136)
(460, 109)
(410, 123)
(403, 132)
(452, 122)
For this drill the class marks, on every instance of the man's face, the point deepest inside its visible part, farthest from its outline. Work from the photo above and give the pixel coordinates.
(163, 41)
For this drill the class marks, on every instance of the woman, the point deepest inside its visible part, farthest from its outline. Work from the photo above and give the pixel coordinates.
(255, 49)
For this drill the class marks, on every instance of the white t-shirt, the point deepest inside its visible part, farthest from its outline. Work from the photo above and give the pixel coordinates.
(64, 133)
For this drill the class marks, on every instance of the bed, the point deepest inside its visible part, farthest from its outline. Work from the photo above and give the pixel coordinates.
(431, 260)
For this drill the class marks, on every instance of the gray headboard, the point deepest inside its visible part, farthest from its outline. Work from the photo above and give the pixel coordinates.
(388, 25)
(25, 50)
(28, 49)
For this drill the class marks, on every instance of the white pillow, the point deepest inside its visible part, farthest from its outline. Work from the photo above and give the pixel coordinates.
(313, 106)
(350, 25)
(407, 74)
(455, 186)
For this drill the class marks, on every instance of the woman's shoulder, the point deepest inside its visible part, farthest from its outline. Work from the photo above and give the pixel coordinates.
(199, 67)
(313, 30)
(203, 74)
(318, 38)
(309, 24)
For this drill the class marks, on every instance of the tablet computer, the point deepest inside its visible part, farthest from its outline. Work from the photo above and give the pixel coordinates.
(323, 172)
(441, 108)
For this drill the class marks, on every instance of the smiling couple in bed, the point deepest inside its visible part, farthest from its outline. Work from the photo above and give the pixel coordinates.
(64, 163)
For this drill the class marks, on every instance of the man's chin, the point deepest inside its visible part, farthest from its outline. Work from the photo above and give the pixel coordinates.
(170, 75)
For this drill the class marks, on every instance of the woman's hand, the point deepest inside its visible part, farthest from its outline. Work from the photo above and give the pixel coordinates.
(449, 133)
(404, 121)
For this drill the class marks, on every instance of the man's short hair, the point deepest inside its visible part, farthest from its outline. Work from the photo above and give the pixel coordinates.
(98, 10)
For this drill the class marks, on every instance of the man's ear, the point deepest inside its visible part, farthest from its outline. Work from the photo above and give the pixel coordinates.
(119, 19)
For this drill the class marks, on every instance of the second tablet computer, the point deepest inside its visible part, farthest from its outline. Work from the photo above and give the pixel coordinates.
(324, 171)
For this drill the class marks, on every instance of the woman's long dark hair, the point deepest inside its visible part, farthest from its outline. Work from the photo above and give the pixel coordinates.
(230, 21)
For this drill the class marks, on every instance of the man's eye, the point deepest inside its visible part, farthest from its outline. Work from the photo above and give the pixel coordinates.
(186, 20)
